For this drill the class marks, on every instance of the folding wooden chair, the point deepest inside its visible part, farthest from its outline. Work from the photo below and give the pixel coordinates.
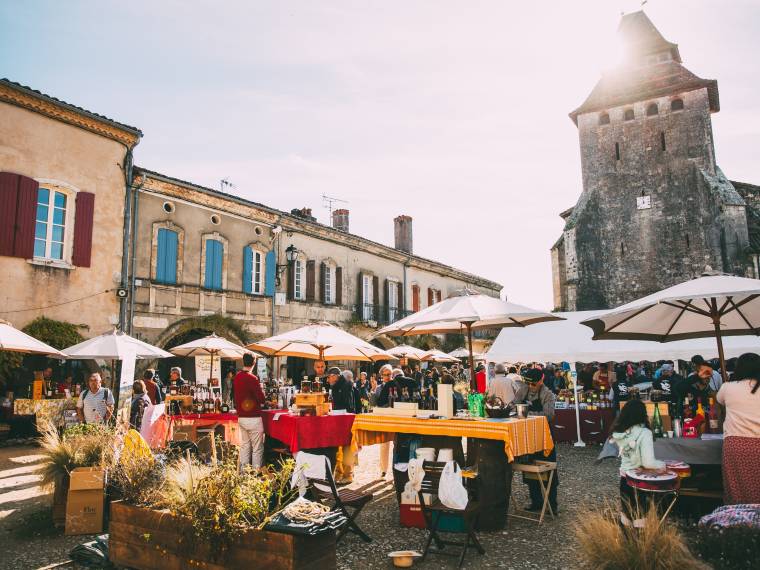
(434, 512)
(543, 471)
(325, 490)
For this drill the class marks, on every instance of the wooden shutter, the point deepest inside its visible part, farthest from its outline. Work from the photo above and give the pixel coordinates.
(292, 280)
(387, 294)
(311, 277)
(247, 269)
(322, 279)
(166, 256)
(339, 286)
(376, 291)
(415, 298)
(270, 270)
(400, 299)
(18, 207)
(360, 301)
(85, 210)
(430, 296)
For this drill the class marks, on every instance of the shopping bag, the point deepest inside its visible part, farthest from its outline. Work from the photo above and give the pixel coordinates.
(451, 491)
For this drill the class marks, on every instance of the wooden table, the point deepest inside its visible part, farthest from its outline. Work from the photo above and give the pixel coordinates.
(308, 432)
(186, 426)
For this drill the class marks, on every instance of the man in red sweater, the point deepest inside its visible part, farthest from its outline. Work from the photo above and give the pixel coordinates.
(249, 398)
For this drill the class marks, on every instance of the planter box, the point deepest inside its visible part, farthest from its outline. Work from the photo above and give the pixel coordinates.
(60, 492)
(146, 539)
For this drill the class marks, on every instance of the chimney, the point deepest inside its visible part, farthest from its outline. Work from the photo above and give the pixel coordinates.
(340, 220)
(402, 231)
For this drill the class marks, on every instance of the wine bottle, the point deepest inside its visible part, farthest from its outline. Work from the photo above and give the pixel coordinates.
(713, 417)
(657, 422)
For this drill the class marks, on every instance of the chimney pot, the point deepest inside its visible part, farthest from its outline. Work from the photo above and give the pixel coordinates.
(402, 232)
(340, 219)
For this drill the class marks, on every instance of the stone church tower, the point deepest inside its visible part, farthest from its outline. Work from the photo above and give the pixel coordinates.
(655, 209)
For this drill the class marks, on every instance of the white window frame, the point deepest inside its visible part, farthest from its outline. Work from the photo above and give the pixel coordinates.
(329, 284)
(299, 279)
(68, 221)
(392, 300)
(257, 287)
(368, 311)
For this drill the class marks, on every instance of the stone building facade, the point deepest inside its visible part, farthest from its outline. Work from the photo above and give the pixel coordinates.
(334, 275)
(63, 178)
(655, 209)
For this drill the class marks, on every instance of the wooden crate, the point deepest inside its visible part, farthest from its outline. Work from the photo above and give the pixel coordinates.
(146, 539)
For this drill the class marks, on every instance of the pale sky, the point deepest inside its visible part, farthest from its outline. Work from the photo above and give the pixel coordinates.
(452, 112)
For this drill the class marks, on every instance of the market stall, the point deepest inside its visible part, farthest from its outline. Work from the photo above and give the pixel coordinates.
(51, 410)
(492, 446)
(594, 425)
(306, 433)
(194, 427)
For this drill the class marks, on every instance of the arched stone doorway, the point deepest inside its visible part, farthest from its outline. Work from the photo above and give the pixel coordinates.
(193, 328)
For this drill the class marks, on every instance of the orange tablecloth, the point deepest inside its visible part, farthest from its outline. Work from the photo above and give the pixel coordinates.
(520, 437)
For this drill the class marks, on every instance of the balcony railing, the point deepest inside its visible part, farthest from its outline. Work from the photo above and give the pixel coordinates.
(380, 314)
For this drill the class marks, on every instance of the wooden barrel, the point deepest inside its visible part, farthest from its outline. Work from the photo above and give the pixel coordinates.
(494, 482)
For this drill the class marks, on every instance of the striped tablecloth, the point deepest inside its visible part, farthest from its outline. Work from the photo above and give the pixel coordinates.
(520, 437)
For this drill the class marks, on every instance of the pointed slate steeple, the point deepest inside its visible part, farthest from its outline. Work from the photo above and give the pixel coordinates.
(641, 39)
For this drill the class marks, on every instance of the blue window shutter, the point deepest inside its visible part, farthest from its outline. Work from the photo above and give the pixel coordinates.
(166, 256)
(247, 270)
(270, 267)
(214, 253)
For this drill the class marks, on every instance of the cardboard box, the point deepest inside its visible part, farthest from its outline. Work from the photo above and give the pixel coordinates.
(85, 502)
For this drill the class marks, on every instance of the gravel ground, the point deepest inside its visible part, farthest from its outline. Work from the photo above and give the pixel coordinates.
(523, 545)
(28, 540)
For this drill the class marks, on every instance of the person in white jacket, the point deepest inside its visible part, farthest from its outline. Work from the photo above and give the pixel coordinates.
(636, 444)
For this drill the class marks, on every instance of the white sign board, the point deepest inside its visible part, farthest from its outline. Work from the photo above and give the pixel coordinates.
(203, 367)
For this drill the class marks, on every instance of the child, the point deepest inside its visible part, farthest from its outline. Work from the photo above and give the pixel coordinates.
(634, 439)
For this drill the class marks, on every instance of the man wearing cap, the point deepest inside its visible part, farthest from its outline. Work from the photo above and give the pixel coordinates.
(342, 393)
(540, 402)
(669, 383)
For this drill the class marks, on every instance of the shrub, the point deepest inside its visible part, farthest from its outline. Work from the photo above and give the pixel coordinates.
(88, 447)
(606, 545)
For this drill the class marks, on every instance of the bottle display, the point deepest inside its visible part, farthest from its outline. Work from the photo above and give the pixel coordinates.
(657, 430)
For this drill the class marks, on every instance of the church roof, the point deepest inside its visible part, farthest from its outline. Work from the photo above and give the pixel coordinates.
(639, 79)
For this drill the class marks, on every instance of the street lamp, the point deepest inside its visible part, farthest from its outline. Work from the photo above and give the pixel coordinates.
(291, 253)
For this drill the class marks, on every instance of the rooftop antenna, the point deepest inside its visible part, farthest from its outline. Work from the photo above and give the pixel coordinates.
(328, 202)
(225, 183)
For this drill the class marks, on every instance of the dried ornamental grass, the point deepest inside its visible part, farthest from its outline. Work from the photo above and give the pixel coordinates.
(92, 447)
(606, 545)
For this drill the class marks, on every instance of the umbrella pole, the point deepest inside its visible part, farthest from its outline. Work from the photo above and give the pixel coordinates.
(580, 442)
(721, 355)
(473, 382)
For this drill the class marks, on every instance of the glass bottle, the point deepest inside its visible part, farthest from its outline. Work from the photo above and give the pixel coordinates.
(713, 420)
(657, 422)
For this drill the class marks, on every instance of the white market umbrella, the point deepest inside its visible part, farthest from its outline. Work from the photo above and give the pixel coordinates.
(464, 312)
(213, 346)
(320, 341)
(114, 345)
(462, 352)
(438, 356)
(406, 351)
(14, 340)
(708, 306)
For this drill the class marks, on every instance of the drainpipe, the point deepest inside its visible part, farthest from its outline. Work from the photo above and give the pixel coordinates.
(133, 247)
(128, 165)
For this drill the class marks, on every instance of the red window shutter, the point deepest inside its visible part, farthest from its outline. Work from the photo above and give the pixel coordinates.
(375, 290)
(415, 298)
(400, 303)
(430, 296)
(339, 286)
(8, 201)
(311, 277)
(85, 210)
(322, 279)
(18, 206)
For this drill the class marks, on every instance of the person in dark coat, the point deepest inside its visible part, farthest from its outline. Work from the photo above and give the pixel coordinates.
(140, 401)
(342, 391)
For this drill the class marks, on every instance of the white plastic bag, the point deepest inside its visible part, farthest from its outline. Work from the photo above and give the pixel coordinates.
(451, 490)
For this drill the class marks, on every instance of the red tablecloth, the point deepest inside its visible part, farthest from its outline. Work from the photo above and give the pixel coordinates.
(308, 432)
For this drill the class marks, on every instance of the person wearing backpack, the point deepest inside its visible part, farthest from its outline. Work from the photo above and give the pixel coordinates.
(95, 404)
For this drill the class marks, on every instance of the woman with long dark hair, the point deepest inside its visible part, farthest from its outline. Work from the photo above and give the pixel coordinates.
(636, 444)
(741, 432)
